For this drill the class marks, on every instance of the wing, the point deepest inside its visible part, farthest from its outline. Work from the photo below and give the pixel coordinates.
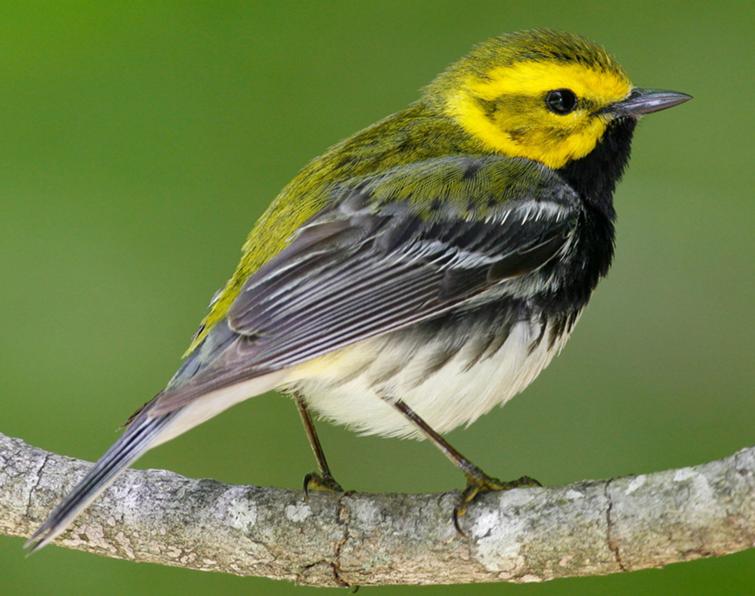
(390, 251)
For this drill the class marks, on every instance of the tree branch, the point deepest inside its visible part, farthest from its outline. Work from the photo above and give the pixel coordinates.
(586, 528)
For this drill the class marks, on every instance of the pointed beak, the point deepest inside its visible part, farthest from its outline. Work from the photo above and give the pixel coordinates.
(647, 101)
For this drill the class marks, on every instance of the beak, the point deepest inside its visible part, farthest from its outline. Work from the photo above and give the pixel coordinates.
(647, 101)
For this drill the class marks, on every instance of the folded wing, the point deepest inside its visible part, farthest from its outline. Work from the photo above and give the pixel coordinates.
(392, 250)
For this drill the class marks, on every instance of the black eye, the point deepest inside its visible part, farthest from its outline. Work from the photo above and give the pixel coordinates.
(561, 101)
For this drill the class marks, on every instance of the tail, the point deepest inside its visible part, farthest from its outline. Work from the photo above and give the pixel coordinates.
(152, 426)
(140, 435)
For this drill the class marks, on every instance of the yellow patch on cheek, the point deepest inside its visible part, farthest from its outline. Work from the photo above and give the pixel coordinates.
(529, 139)
(578, 144)
(533, 132)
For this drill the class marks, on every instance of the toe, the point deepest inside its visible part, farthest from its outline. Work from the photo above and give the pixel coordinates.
(480, 484)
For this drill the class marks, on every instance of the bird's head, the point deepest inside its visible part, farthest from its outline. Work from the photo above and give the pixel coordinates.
(542, 95)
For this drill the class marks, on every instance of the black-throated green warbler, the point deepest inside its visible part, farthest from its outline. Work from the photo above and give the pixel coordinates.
(422, 271)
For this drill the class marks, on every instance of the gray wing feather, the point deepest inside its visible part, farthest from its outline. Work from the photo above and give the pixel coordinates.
(355, 272)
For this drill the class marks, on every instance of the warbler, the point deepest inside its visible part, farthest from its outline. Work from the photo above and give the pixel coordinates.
(422, 271)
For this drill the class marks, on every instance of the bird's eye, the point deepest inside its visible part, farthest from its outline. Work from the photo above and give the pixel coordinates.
(561, 101)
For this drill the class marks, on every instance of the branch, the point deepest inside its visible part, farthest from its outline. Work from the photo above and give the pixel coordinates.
(586, 528)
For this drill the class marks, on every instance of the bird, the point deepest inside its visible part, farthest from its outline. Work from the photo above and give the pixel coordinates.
(422, 271)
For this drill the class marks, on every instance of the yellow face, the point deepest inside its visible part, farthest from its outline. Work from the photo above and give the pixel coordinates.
(546, 111)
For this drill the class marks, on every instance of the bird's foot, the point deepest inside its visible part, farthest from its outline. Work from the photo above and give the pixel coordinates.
(479, 483)
(321, 483)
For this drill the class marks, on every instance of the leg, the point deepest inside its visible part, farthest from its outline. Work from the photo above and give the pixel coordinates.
(478, 482)
(324, 480)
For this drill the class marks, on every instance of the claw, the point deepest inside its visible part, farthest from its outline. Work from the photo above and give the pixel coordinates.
(480, 483)
(315, 482)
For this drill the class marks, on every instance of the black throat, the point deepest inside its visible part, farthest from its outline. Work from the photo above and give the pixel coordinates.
(594, 176)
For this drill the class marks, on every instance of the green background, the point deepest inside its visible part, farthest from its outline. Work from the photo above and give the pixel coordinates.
(138, 144)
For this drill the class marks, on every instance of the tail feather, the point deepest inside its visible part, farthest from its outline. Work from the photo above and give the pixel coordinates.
(138, 438)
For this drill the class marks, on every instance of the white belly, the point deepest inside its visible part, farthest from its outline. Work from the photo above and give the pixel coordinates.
(449, 397)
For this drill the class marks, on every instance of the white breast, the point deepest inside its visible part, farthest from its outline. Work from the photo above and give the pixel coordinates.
(341, 387)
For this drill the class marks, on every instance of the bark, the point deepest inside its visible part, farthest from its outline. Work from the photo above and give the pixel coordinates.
(524, 535)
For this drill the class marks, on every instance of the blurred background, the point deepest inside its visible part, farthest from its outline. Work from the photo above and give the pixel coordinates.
(140, 143)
